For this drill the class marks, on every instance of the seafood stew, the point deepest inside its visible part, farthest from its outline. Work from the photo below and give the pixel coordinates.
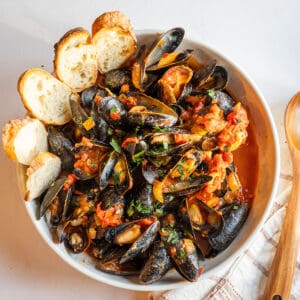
(149, 180)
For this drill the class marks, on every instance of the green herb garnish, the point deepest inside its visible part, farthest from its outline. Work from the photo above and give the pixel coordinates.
(165, 145)
(138, 157)
(110, 131)
(211, 93)
(115, 145)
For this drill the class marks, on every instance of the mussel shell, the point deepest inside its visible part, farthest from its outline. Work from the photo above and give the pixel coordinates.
(50, 195)
(150, 112)
(76, 239)
(142, 243)
(109, 198)
(62, 147)
(114, 79)
(111, 105)
(180, 58)
(225, 102)
(142, 201)
(203, 73)
(232, 225)
(188, 264)
(217, 80)
(87, 96)
(121, 175)
(79, 116)
(111, 263)
(165, 43)
(187, 187)
(99, 248)
(106, 169)
(157, 265)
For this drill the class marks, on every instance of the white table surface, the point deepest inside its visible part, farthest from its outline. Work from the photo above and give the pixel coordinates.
(261, 36)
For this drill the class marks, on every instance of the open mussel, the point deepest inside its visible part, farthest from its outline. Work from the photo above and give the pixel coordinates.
(179, 180)
(169, 143)
(56, 201)
(88, 156)
(150, 112)
(111, 263)
(169, 60)
(173, 83)
(114, 171)
(140, 234)
(75, 238)
(165, 43)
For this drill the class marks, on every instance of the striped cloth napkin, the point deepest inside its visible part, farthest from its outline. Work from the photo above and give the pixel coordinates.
(246, 277)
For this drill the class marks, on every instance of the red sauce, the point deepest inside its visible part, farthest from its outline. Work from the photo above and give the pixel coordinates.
(246, 161)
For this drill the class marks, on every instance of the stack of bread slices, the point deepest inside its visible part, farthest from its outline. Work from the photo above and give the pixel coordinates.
(79, 58)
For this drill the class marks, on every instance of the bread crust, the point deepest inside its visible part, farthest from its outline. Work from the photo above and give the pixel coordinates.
(116, 22)
(9, 133)
(113, 19)
(21, 84)
(59, 47)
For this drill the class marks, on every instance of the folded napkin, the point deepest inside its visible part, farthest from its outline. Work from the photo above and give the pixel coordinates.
(246, 277)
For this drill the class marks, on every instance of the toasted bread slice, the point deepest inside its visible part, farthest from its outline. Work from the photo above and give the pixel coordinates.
(42, 171)
(45, 97)
(114, 40)
(23, 139)
(75, 61)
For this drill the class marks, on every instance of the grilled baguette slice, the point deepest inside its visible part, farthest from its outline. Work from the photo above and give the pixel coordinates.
(42, 171)
(75, 61)
(114, 40)
(23, 139)
(45, 97)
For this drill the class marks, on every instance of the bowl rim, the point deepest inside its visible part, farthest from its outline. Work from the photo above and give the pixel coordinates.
(167, 286)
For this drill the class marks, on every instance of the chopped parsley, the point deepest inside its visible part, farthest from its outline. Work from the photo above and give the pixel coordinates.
(138, 157)
(180, 169)
(113, 109)
(116, 177)
(211, 93)
(110, 131)
(115, 145)
(173, 237)
(161, 173)
(165, 145)
(181, 253)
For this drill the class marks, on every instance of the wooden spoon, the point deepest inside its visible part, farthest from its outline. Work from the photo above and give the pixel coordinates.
(283, 267)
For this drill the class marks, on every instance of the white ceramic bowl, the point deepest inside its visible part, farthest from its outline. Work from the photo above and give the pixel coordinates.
(246, 91)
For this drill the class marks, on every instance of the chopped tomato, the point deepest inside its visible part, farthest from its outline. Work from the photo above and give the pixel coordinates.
(172, 251)
(129, 101)
(128, 140)
(71, 179)
(180, 138)
(97, 99)
(124, 88)
(145, 222)
(238, 116)
(115, 115)
(213, 121)
(110, 217)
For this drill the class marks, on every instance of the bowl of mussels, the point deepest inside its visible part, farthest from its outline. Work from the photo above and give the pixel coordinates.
(168, 166)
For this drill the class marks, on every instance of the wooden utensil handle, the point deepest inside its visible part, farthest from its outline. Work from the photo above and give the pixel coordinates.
(282, 270)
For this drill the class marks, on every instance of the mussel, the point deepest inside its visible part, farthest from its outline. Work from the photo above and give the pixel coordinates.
(157, 265)
(150, 112)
